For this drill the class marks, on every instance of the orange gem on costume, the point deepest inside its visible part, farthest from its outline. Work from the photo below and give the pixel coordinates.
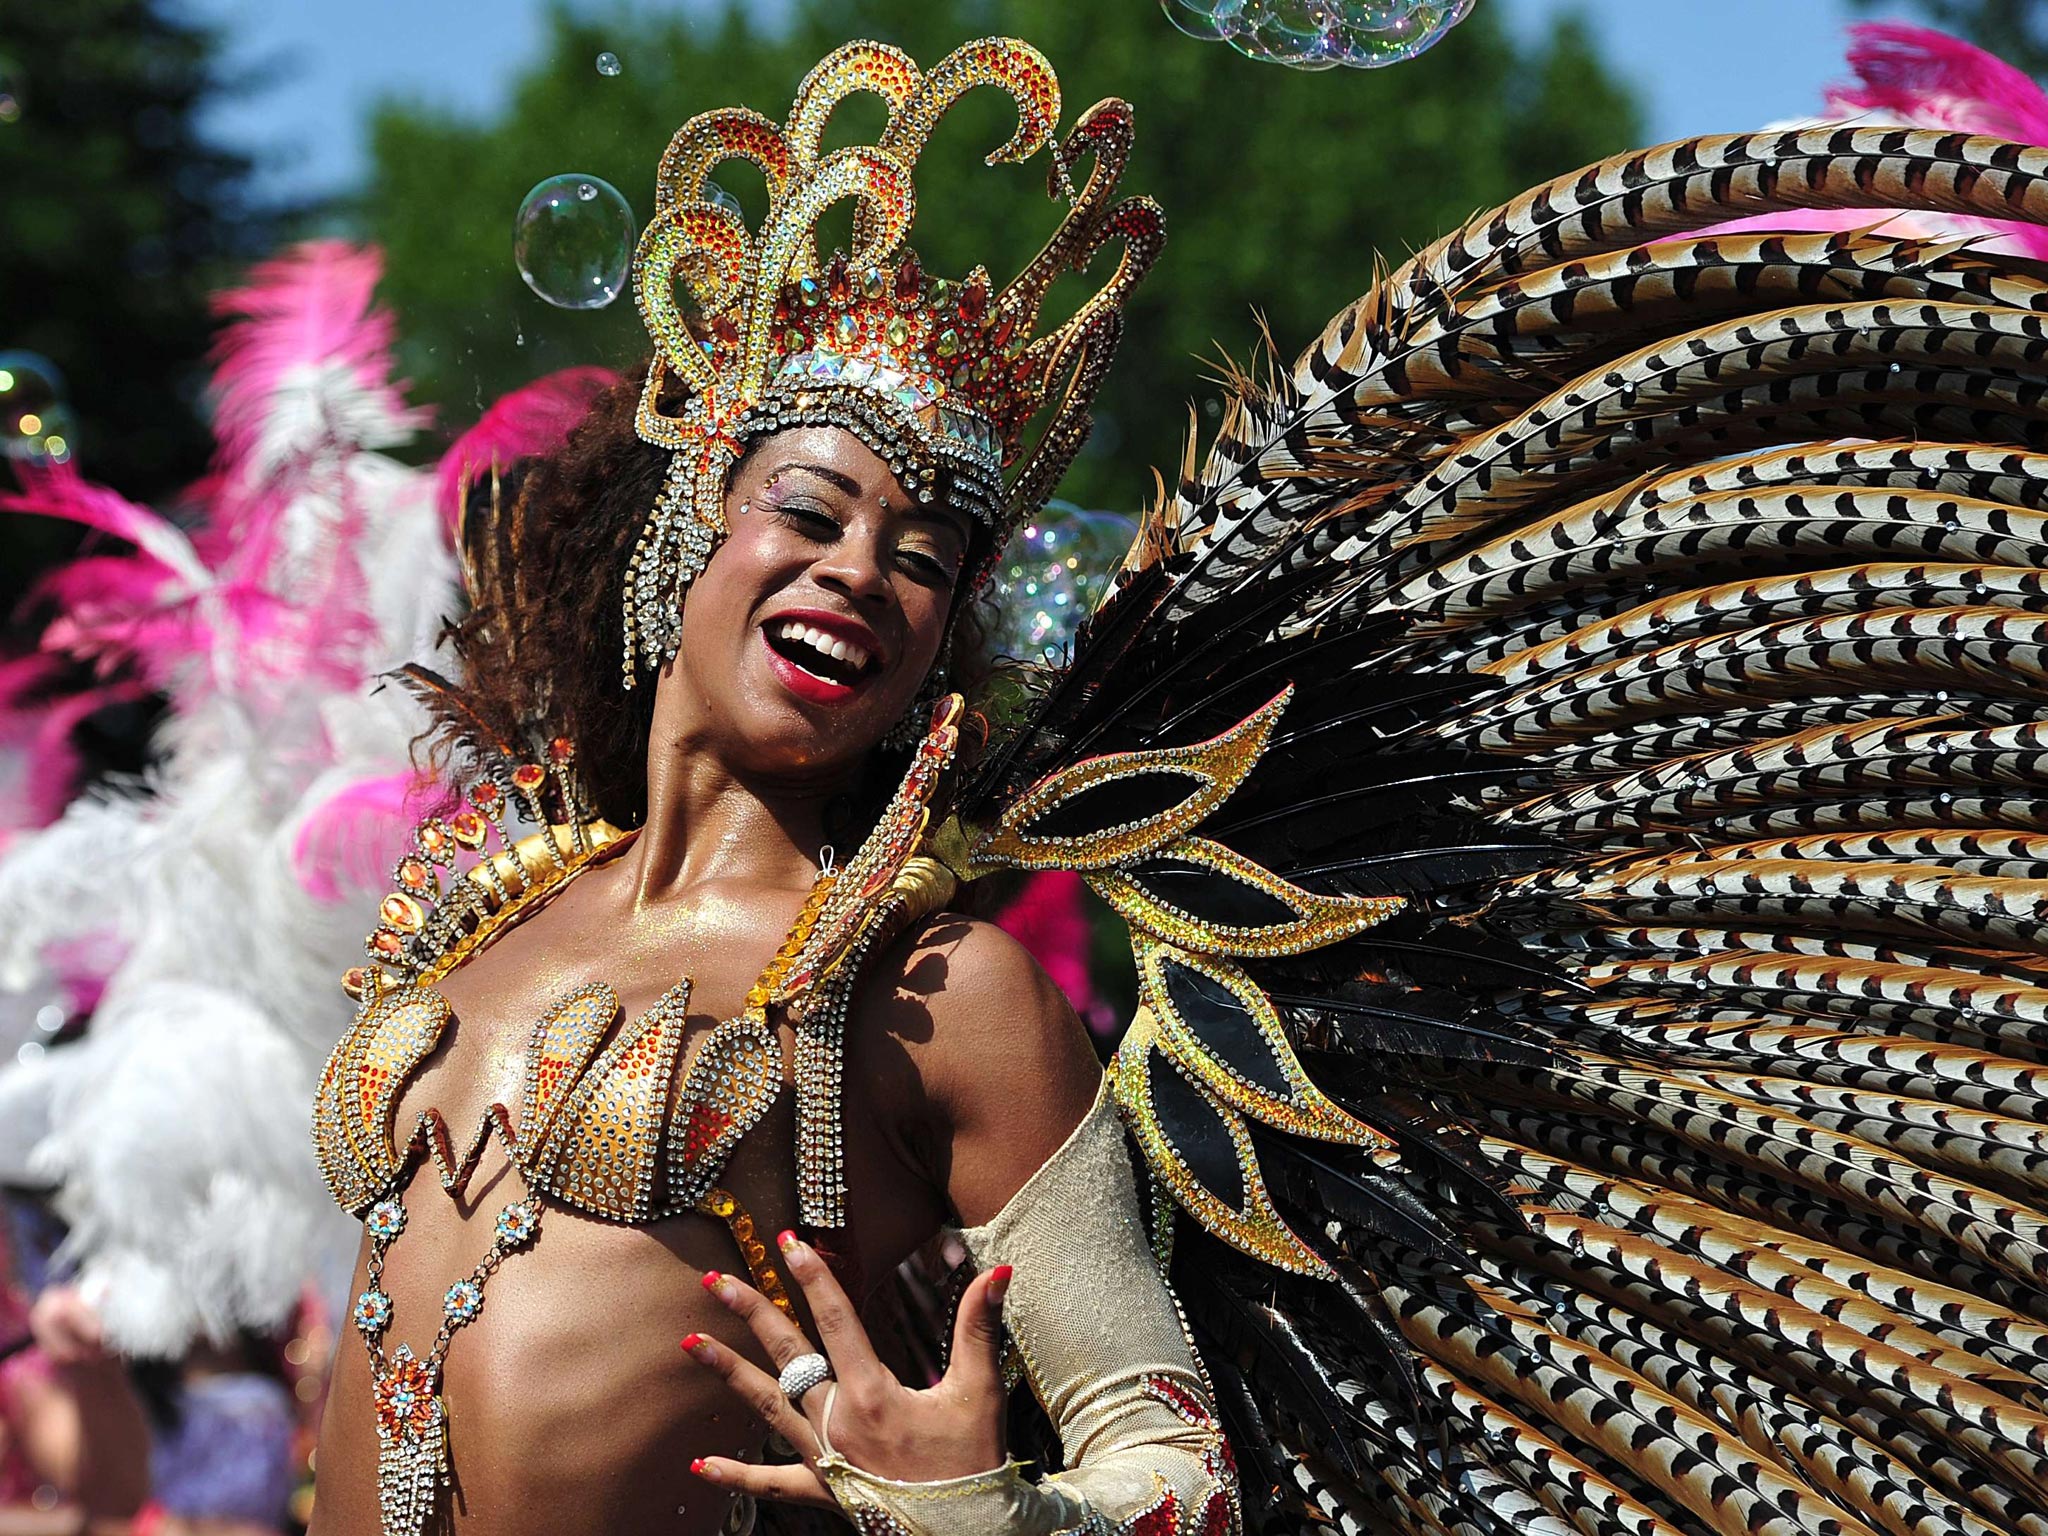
(414, 875)
(387, 944)
(405, 1399)
(434, 838)
(561, 749)
(469, 828)
(529, 776)
(486, 796)
(402, 912)
(355, 981)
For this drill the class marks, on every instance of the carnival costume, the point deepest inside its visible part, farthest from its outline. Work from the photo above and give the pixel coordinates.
(1569, 764)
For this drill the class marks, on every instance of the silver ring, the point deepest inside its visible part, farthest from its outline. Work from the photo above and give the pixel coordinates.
(802, 1374)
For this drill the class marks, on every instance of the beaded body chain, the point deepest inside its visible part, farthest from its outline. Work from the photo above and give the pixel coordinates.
(412, 1420)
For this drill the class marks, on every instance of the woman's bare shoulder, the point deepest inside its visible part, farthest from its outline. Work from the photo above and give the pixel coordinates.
(996, 1045)
(974, 979)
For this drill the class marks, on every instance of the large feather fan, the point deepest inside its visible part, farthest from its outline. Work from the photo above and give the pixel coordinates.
(1572, 763)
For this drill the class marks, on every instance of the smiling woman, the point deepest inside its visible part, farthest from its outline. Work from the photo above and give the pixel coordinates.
(729, 892)
(1571, 764)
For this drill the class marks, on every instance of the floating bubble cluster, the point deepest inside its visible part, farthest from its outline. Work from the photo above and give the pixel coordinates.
(1320, 34)
(573, 239)
(608, 64)
(1053, 573)
(35, 419)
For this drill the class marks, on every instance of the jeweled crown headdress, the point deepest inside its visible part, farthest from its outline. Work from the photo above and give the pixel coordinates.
(937, 377)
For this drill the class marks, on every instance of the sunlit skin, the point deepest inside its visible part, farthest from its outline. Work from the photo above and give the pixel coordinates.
(573, 1406)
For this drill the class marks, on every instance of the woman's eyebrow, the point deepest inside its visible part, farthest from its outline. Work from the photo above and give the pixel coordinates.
(944, 517)
(833, 477)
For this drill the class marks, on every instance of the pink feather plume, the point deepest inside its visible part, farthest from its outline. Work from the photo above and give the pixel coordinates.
(37, 728)
(308, 307)
(534, 419)
(344, 845)
(1920, 78)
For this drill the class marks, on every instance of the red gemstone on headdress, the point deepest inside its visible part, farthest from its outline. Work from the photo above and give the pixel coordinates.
(561, 750)
(433, 839)
(724, 332)
(414, 875)
(838, 286)
(486, 796)
(973, 303)
(909, 281)
(1000, 336)
(529, 776)
(387, 944)
(469, 828)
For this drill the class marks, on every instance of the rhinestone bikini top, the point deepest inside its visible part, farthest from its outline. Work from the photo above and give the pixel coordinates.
(604, 1125)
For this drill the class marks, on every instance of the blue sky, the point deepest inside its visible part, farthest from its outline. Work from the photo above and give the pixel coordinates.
(1702, 65)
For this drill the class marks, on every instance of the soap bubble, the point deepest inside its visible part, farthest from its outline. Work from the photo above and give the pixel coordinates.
(573, 239)
(1320, 34)
(1052, 574)
(608, 64)
(35, 418)
(10, 93)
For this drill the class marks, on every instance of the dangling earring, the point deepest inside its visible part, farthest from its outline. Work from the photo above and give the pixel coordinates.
(674, 547)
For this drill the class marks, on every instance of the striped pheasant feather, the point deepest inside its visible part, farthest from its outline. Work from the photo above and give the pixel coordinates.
(1654, 618)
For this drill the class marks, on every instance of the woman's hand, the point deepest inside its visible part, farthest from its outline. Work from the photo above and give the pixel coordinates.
(953, 1429)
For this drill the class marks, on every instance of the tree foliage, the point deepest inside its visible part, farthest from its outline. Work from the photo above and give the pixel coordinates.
(1281, 188)
(120, 221)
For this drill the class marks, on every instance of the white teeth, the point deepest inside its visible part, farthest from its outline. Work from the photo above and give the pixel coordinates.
(826, 645)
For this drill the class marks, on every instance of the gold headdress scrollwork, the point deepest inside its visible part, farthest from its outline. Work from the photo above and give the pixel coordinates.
(940, 378)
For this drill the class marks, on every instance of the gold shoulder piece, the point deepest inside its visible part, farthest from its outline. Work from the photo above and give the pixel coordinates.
(1200, 1149)
(1106, 811)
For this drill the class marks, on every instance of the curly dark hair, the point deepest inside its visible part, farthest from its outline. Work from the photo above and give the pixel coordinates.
(540, 647)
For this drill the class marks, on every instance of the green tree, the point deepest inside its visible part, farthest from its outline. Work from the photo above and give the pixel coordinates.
(1280, 187)
(119, 222)
(2015, 30)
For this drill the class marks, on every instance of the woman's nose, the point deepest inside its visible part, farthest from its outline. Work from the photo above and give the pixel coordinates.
(854, 567)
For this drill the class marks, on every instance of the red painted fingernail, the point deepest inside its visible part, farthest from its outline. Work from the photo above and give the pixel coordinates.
(785, 1240)
(697, 1466)
(999, 1281)
(690, 1344)
(711, 1279)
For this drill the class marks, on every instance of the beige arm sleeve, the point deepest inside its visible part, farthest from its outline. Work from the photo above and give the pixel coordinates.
(1105, 1350)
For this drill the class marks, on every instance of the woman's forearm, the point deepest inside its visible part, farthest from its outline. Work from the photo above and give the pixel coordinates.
(1107, 1355)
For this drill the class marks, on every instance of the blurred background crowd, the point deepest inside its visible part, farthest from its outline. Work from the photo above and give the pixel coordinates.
(153, 151)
